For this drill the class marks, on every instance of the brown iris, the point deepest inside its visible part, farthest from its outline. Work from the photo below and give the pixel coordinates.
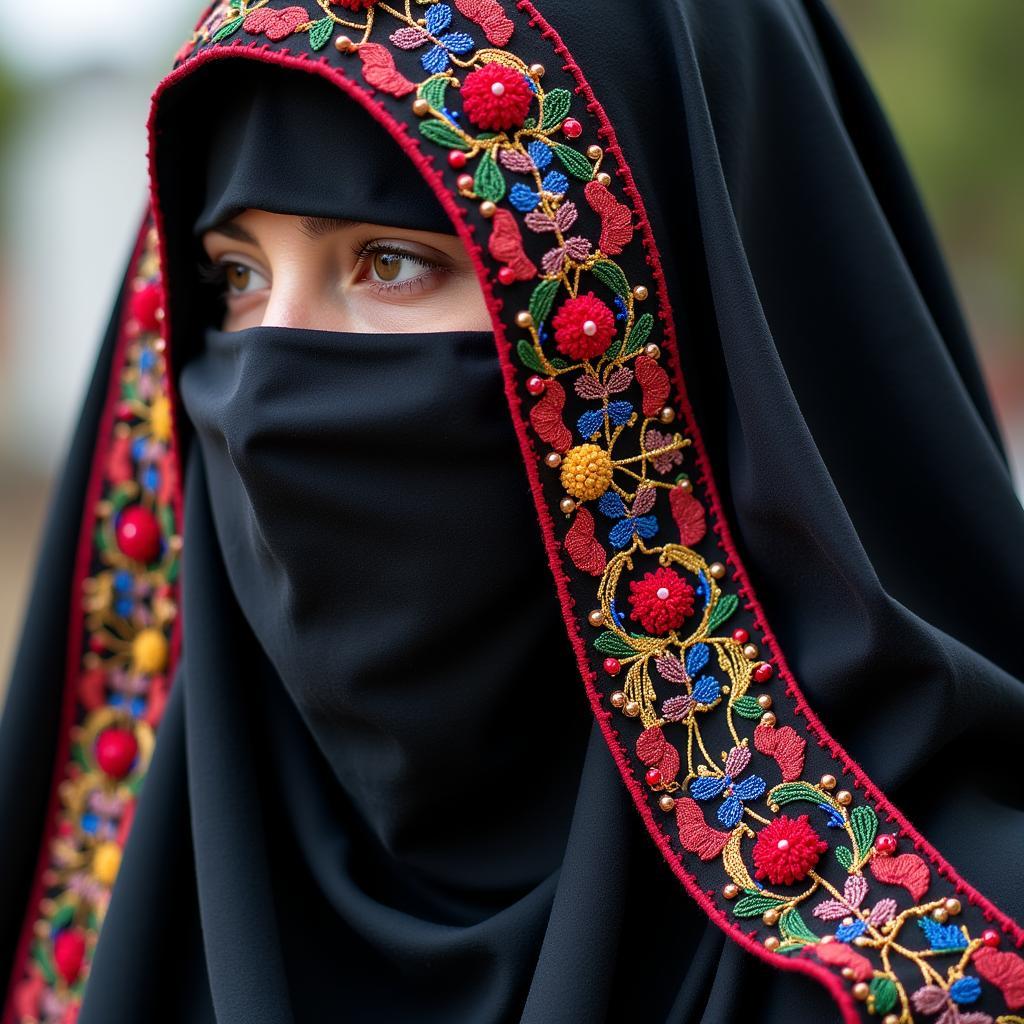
(387, 265)
(238, 275)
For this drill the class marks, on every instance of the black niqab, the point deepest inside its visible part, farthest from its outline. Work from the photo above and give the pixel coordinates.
(353, 814)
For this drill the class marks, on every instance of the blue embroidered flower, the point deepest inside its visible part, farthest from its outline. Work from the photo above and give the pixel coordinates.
(631, 521)
(540, 154)
(708, 787)
(943, 938)
(848, 932)
(522, 197)
(966, 990)
(438, 57)
(555, 181)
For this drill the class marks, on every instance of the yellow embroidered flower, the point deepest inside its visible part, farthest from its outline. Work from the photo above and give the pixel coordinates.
(586, 471)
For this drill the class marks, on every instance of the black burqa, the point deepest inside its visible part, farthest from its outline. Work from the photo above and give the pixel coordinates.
(348, 814)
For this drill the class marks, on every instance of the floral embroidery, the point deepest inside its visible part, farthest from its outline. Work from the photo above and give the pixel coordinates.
(129, 609)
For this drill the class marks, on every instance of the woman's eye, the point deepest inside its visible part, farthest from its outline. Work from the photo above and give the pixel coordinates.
(390, 268)
(241, 279)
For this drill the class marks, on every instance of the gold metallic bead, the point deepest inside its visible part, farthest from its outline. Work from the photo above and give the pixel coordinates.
(848, 973)
(553, 459)
(106, 860)
(640, 292)
(666, 803)
(524, 319)
(861, 990)
(770, 918)
(420, 107)
(731, 891)
(160, 344)
(685, 485)
(844, 798)
(667, 415)
(536, 70)
(890, 1018)
(149, 651)
(826, 938)
(768, 718)
(953, 907)
(652, 351)
(632, 708)
(717, 570)
(176, 542)
(772, 943)
(487, 208)
(122, 430)
(595, 152)
(828, 782)
(343, 44)
(567, 505)
(764, 701)
(596, 618)
(604, 177)
(750, 651)
(617, 699)
(940, 914)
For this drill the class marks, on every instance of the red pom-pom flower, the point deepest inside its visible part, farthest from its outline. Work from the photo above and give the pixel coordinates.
(786, 850)
(584, 327)
(353, 5)
(661, 601)
(496, 97)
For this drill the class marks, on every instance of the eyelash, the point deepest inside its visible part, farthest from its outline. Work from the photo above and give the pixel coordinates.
(215, 273)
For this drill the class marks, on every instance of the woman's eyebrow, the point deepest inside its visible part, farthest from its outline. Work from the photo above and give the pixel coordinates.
(314, 227)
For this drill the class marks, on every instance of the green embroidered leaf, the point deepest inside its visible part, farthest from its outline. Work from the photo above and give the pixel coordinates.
(788, 948)
(610, 274)
(612, 643)
(789, 792)
(236, 4)
(748, 707)
(794, 926)
(172, 571)
(755, 903)
(489, 182)
(558, 363)
(487, 135)
(640, 333)
(166, 516)
(433, 91)
(443, 135)
(227, 29)
(573, 161)
(865, 826)
(727, 604)
(886, 994)
(320, 33)
(63, 918)
(845, 856)
(556, 106)
(78, 756)
(530, 122)
(543, 299)
(43, 960)
(528, 355)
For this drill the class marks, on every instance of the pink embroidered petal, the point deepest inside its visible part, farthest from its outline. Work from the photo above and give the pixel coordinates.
(539, 222)
(619, 380)
(515, 161)
(883, 910)
(578, 247)
(565, 216)
(930, 999)
(738, 759)
(644, 501)
(855, 890)
(409, 38)
(675, 709)
(551, 262)
(582, 546)
(671, 668)
(830, 910)
(380, 71)
(695, 834)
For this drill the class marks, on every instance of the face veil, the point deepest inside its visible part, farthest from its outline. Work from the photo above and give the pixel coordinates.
(388, 638)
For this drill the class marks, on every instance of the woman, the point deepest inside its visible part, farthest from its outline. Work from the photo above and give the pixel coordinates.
(390, 771)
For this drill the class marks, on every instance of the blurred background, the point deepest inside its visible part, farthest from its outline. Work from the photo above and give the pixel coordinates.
(72, 188)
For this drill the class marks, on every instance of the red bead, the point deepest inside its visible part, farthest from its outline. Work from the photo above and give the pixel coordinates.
(886, 844)
(654, 776)
(763, 672)
(116, 750)
(456, 159)
(990, 937)
(506, 275)
(69, 952)
(125, 411)
(572, 128)
(612, 666)
(97, 644)
(535, 385)
(144, 306)
(138, 533)
(741, 636)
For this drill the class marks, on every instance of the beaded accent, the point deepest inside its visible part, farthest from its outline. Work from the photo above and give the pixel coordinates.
(121, 660)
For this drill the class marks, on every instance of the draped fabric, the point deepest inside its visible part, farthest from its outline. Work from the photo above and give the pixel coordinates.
(355, 809)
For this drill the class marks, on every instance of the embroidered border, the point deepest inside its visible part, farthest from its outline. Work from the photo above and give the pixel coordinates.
(123, 645)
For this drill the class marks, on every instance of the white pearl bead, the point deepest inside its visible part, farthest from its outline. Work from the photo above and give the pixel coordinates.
(589, 328)
(783, 844)
(498, 88)
(663, 593)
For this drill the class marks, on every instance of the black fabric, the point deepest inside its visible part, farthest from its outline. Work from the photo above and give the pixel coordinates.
(355, 810)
